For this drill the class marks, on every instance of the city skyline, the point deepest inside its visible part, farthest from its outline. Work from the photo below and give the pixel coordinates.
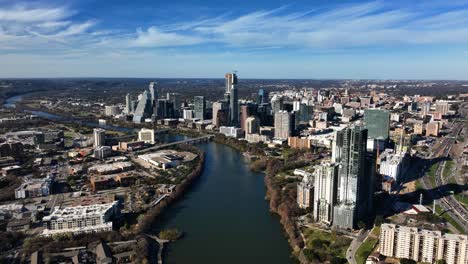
(319, 40)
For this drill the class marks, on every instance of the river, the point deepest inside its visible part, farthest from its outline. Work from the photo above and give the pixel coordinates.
(224, 215)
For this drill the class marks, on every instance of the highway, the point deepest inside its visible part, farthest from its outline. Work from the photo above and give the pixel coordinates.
(448, 202)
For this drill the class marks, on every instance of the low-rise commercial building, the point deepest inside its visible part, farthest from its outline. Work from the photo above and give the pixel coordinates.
(112, 168)
(299, 143)
(231, 131)
(34, 188)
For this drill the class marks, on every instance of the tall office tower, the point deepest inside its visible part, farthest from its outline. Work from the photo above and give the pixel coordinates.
(144, 108)
(231, 89)
(284, 124)
(165, 109)
(354, 183)
(305, 191)
(306, 113)
(325, 192)
(133, 105)
(231, 81)
(199, 107)
(262, 97)
(377, 123)
(219, 107)
(174, 98)
(276, 104)
(426, 108)
(99, 137)
(296, 105)
(152, 91)
(252, 125)
(442, 107)
(128, 104)
(246, 111)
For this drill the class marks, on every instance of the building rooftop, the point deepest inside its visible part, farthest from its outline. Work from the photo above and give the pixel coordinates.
(79, 211)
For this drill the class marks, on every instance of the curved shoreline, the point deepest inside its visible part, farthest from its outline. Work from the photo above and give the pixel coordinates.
(150, 216)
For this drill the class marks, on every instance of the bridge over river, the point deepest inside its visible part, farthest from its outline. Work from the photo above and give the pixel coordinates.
(185, 141)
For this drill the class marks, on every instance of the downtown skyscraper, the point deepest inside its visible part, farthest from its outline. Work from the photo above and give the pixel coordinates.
(199, 103)
(355, 180)
(232, 95)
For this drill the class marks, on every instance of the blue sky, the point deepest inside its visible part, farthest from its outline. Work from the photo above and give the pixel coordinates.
(398, 39)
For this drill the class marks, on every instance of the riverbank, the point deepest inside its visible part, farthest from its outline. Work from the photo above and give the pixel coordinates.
(281, 195)
(225, 200)
(146, 223)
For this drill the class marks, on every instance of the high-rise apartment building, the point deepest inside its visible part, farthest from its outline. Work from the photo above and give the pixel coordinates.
(234, 104)
(442, 107)
(377, 123)
(355, 186)
(99, 137)
(325, 191)
(423, 246)
(252, 125)
(199, 107)
(276, 104)
(219, 108)
(305, 192)
(246, 111)
(284, 124)
(128, 104)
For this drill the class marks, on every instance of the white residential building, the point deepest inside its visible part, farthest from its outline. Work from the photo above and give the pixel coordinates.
(423, 245)
(284, 124)
(99, 137)
(81, 219)
(305, 191)
(325, 191)
(392, 164)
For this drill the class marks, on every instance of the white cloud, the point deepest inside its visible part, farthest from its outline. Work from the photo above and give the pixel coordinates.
(153, 37)
(22, 14)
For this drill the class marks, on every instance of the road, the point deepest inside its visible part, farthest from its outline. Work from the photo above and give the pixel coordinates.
(355, 244)
(448, 203)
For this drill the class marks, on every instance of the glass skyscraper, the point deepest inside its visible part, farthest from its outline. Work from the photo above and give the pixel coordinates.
(377, 123)
(199, 107)
(355, 183)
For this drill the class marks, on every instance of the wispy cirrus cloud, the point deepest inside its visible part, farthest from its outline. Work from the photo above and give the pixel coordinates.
(153, 37)
(24, 14)
(359, 25)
